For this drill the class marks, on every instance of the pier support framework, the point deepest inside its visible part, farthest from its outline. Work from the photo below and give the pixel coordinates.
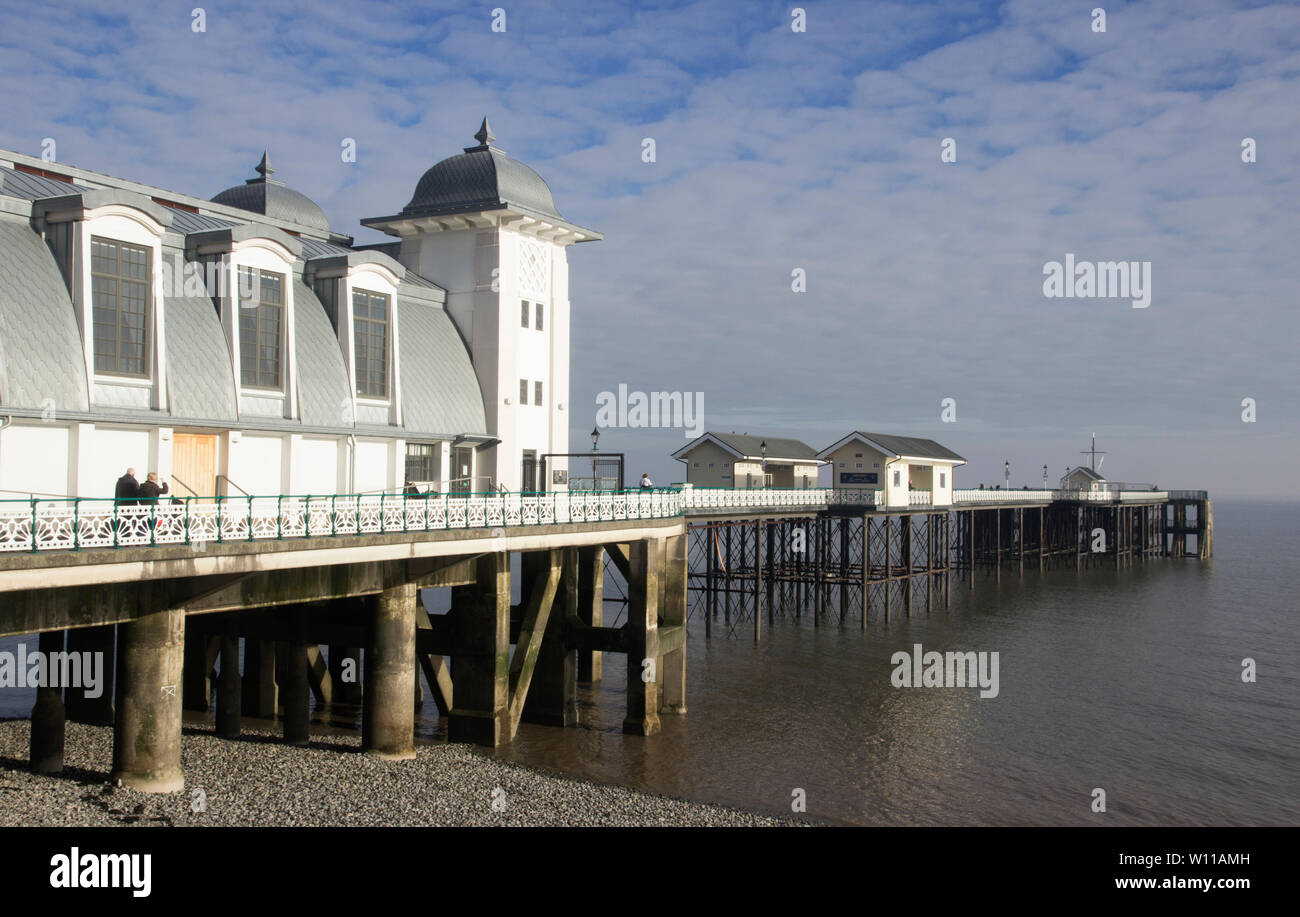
(490, 665)
(837, 565)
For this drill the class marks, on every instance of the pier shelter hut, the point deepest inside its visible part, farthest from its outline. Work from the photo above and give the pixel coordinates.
(742, 461)
(1082, 478)
(898, 466)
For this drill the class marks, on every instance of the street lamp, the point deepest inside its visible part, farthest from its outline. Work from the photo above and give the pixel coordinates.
(1044, 477)
(595, 439)
(1006, 474)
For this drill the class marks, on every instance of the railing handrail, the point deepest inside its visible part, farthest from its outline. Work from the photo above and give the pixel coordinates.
(226, 478)
(109, 522)
(73, 523)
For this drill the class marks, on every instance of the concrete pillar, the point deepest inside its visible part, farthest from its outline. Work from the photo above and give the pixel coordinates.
(481, 666)
(147, 730)
(388, 714)
(345, 673)
(643, 638)
(94, 711)
(229, 684)
(297, 693)
(673, 666)
(553, 691)
(591, 607)
(261, 697)
(48, 714)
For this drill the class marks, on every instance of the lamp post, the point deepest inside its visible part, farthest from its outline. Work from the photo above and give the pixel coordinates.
(595, 439)
(1006, 475)
(762, 480)
(1044, 477)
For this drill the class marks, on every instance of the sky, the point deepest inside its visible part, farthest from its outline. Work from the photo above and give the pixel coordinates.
(779, 150)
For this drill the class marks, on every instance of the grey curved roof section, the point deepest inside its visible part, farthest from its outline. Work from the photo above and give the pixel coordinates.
(272, 199)
(184, 222)
(34, 187)
(323, 383)
(200, 375)
(40, 344)
(482, 178)
(440, 391)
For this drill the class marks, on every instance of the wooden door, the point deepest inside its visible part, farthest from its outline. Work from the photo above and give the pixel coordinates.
(194, 465)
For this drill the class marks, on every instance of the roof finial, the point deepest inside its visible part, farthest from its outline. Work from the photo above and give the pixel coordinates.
(264, 167)
(485, 135)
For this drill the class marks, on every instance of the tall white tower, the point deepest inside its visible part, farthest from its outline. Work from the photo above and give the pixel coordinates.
(484, 227)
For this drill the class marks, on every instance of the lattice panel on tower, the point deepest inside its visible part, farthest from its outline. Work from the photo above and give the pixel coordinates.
(534, 268)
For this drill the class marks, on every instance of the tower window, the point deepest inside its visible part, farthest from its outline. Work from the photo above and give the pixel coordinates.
(523, 313)
(523, 391)
(537, 393)
(539, 308)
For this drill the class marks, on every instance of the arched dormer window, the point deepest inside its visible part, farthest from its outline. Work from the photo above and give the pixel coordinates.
(256, 306)
(109, 245)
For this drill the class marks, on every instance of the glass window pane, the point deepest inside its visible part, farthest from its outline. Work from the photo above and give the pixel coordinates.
(120, 300)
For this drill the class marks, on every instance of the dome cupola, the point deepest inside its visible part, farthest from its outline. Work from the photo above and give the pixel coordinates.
(270, 198)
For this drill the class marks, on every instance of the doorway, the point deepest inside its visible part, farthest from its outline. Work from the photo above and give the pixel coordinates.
(194, 465)
(528, 472)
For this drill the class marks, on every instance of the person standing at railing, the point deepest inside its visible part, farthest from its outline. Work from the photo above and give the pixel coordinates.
(151, 490)
(128, 488)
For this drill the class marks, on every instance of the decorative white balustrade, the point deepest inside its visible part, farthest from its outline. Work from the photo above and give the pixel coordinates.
(73, 524)
(62, 525)
(968, 496)
(758, 497)
(1143, 496)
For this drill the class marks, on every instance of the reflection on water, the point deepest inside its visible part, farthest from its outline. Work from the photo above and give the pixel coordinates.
(1127, 681)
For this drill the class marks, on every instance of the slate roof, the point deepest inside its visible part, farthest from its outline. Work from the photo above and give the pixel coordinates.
(185, 222)
(41, 355)
(323, 384)
(200, 376)
(911, 446)
(440, 392)
(778, 448)
(270, 197)
(40, 345)
(315, 248)
(34, 187)
(483, 177)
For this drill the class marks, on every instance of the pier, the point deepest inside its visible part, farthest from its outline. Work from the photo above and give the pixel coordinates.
(762, 554)
(169, 592)
(184, 584)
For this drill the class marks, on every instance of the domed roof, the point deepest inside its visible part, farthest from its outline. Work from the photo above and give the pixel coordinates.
(481, 178)
(269, 197)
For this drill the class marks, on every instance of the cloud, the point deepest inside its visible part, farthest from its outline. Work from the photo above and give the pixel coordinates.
(779, 150)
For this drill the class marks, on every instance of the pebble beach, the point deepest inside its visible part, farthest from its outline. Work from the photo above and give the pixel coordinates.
(260, 782)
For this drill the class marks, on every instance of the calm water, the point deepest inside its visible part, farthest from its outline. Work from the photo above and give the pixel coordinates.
(1128, 681)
